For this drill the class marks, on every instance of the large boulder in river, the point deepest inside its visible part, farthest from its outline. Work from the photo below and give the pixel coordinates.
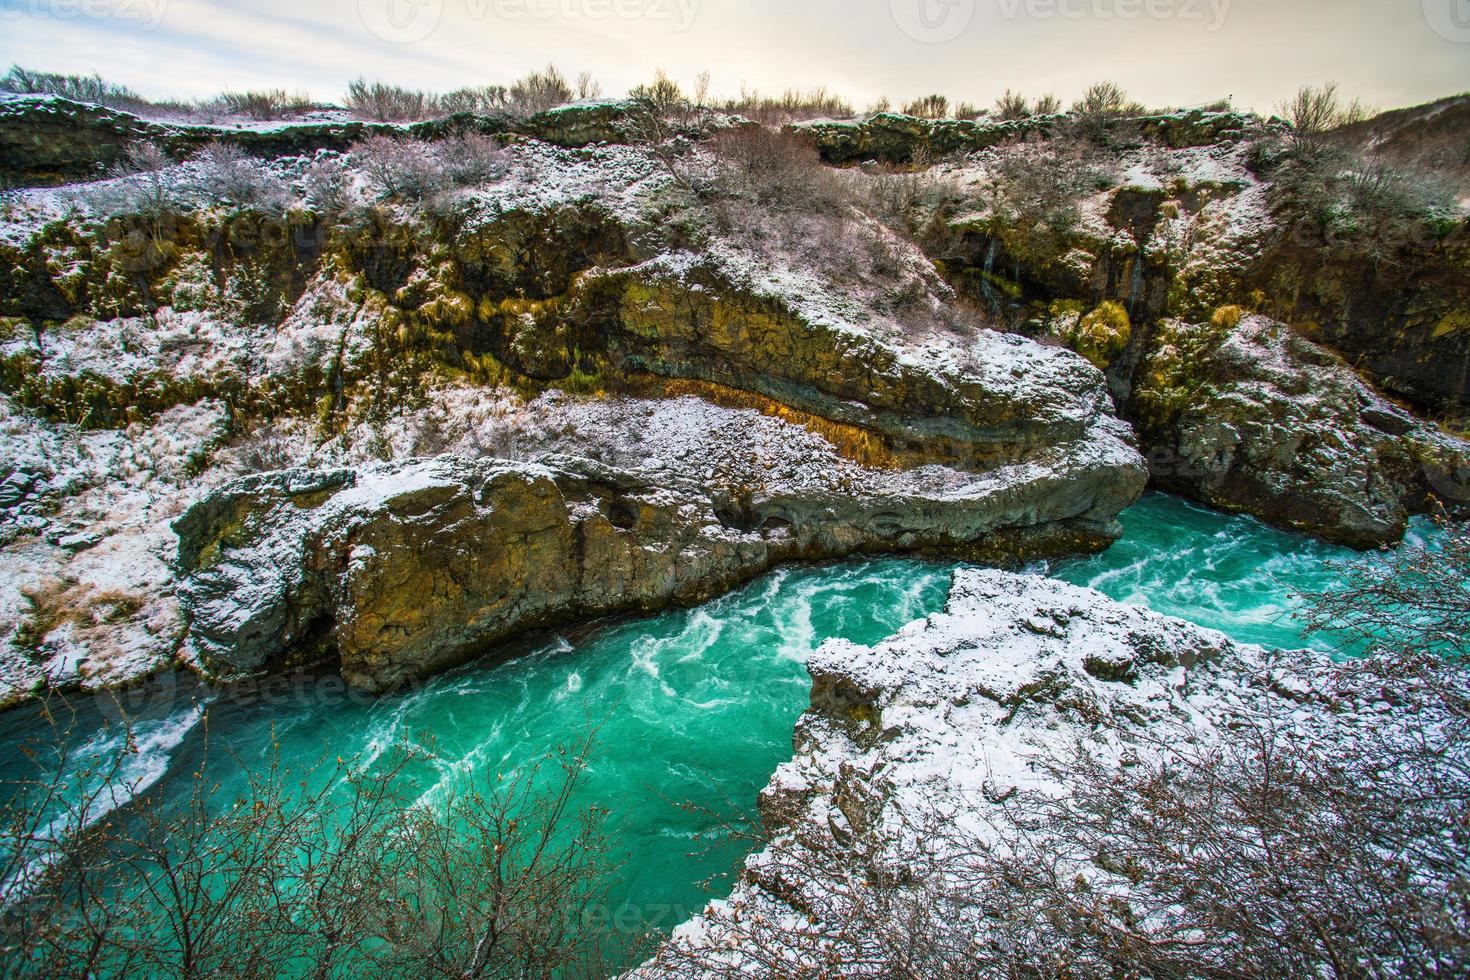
(1244, 414)
(408, 568)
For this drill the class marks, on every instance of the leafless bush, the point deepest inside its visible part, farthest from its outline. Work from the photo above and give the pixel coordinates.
(78, 88)
(484, 98)
(791, 106)
(327, 185)
(224, 172)
(265, 105)
(928, 107)
(776, 169)
(1416, 599)
(401, 168)
(1014, 105)
(1047, 105)
(1327, 196)
(332, 871)
(472, 159)
(1102, 104)
(1315, 110)
(389, 103)
(663, 94)
(140, 184)
(535, 93)
(539, 91)
(1037, 194)
(262, 452)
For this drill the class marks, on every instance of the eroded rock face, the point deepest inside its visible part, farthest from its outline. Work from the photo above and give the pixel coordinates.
(1244, 414)
(47, 140)
(408, 568)
(898, 138)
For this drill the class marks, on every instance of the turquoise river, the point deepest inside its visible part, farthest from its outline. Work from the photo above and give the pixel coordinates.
(692, 706)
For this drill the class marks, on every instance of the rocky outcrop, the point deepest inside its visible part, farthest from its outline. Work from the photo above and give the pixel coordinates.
(912, 751)
(1244, 414)
(897, 138)
(50, 140)
(404, 569)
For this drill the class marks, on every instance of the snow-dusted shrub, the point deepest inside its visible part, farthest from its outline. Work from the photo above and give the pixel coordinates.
(776, 169)
(142, 183)
(224, 173)
(1314, 110)
(790, 106)
(471, 159)
(78, 88)
(481, 98)
(263, 452)
(265, 105)
(539, 91)
(402, 168)
(389, 103)
(1102, 104)
(326, 185)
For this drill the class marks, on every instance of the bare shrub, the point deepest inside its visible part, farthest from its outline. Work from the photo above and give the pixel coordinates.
(1101, 105)
(1047, 105)
(1326, 194)
(1037, 194)
(224, 172)
(472, 159)
(141, 184)
(777, 169)
(1012, 105)
(332, 871)
(265, 105)
(588, 87)
(484, 98)
(539, 91)
(790, 106)
(401, 168)
(1314, 110)
(389, 103)
(78, 88)
(663, 94)
(263, 452)
(327, 185)
(928, 107)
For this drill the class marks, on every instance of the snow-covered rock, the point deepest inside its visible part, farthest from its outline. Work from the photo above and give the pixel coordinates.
(943, 724)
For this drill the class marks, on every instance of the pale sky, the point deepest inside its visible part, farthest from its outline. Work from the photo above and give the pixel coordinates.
(1164, 52)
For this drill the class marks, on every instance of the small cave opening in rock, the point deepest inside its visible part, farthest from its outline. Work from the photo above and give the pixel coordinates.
(621, 514)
